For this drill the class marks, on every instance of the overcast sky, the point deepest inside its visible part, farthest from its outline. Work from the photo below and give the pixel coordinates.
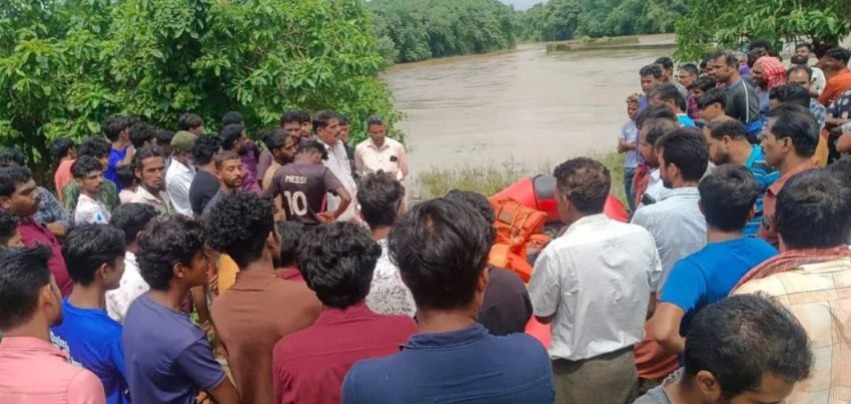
(523, 4)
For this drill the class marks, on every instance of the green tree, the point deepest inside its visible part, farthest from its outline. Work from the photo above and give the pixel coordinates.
(67, 64)
(732, 23)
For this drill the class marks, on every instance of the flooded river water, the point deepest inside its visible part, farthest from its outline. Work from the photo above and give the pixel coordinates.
(522, 106)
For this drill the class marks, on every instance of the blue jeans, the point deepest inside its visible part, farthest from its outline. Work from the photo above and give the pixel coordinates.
(628, 175)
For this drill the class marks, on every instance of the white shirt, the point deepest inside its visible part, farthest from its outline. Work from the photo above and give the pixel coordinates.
(178, 179)
(819, 81)
(132, 286)
(162, 204)
(390, 158)
(387, 293)
(338, 163)
(90, 210)
(656, 187)
(597, 279)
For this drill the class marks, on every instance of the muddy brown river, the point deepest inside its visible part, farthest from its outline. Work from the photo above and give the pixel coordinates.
(521, 106)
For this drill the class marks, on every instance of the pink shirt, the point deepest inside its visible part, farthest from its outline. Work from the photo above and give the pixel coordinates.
(33, 371)
(63, 176)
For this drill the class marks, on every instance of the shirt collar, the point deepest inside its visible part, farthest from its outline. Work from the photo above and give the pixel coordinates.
(144, 194)
(370, 143)
(332, 315)
(756, 154)
(31, 344)
(655, 174)
(181, 168)
(465, 336)
(778, 185)
(678, 192)
(586, 221)
(260, 276)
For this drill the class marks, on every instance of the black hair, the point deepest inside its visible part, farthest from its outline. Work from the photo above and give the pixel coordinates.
(142, 134)
(304, 116)
(842, 169)
(23, 272)
(166, 241)
(669, 92)
(761, 43)
(691, 68)
(337, 262)
(741, 338)
(115, 124)
(85, 165)
(790, 94)
(728, 196)
(145, 153)
(798, 124)
(799, 68)
(276, 139)
(88, 246)
(232, 118)
(12, 155)
(704, 83)
(687, 149)
(230, 135)
(344, 120)
(205, 147)
(125, 175)
(653, 113)
(239, 226)
(8, 226)
(59, 148)
(814, 211)
(322, 119)
(657, 128)
(441, 248)
(654, 70)
(94, 146)
(585, 183)
(291, 116)
(11, 177)
(374, 120)
(713, 96)
(313, 146)
(475, 200)
(164, 137)
(226, 156)
(665, 62)
(807, 45)
(291, 235)
(733, 128)
(189, 121)
(379, 195)
(131, 218)
(839, 53)
(730, 58)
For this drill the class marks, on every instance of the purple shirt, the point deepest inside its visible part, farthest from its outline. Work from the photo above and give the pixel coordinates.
(249, 159)
(34, 233)
(168, 358)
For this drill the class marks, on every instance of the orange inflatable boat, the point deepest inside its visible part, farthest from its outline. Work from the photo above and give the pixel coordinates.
(539, 193)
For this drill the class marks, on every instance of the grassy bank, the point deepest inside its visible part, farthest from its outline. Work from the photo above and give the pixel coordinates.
(436, 182)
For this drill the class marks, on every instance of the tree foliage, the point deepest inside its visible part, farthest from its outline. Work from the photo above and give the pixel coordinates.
(568, 19)
(425, 29)
(732, 23)
(67, 64)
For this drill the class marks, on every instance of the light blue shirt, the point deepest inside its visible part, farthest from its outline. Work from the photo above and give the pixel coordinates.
(629, 134)
(685, 121)
(676, 224)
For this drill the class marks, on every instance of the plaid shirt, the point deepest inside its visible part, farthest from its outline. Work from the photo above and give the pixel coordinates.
(791, 259)
(51, 211)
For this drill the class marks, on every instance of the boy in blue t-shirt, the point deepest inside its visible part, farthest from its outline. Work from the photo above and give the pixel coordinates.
(95, 257)
(727, 198)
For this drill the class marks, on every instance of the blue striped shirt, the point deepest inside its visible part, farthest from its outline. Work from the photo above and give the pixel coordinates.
(764, 176)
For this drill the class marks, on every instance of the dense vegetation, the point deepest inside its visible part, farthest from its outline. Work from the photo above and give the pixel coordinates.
(424, 29)
(67, 64)
(732, 23)
(558, 20)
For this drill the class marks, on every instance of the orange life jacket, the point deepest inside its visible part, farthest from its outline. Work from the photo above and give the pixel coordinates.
(518, 229)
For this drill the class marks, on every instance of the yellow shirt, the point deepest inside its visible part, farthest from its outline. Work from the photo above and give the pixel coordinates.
(227, 272)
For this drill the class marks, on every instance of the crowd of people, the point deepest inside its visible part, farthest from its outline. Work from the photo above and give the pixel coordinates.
(192, 267)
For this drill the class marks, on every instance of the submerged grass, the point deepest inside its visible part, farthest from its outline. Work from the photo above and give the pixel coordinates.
(490, 179)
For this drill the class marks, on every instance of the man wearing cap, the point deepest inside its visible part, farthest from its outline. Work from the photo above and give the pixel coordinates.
(180, 173)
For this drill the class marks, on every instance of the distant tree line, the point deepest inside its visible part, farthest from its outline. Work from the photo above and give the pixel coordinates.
(411, 30)
(558, 20)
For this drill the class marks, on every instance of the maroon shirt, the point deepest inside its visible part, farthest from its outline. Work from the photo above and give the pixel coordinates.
(34, 233)
(310, 365)
(303, 188)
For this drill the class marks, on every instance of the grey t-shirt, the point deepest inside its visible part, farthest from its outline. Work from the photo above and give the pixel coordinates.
(657, 394)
